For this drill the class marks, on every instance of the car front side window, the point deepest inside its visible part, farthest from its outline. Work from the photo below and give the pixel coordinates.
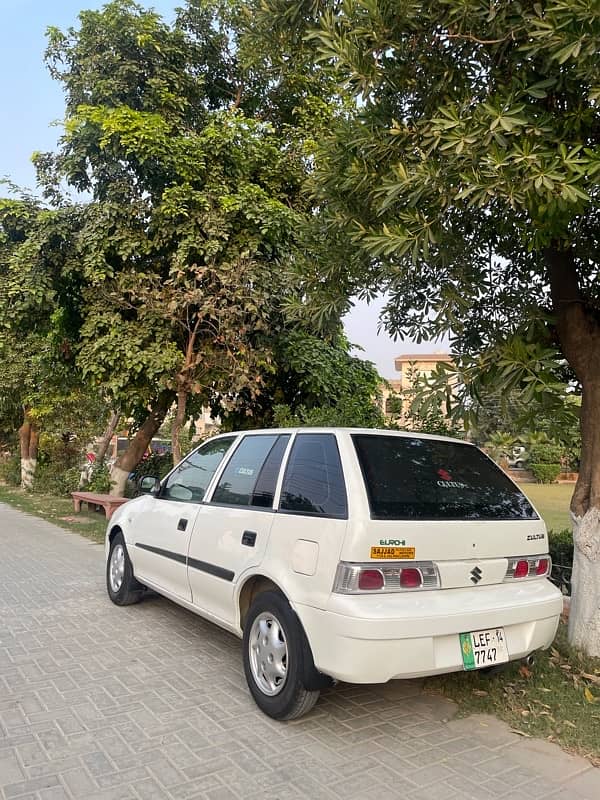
(189, 481)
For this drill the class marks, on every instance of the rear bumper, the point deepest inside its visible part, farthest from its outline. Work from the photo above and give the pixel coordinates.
(372, 639)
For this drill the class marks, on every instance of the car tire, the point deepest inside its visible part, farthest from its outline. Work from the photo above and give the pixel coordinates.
(122, 586)
(277, 658)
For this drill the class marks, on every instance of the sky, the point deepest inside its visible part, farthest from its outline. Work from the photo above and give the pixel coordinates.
(32, 107)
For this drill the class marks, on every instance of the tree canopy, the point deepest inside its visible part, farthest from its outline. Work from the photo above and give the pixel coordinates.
(470, 175)
(195, 249)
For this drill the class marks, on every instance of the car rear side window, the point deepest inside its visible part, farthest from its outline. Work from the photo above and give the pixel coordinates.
(314, 482)
(413, 478)
(250, 477)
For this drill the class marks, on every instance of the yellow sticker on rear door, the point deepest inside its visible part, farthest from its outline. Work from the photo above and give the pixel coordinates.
(393, 552)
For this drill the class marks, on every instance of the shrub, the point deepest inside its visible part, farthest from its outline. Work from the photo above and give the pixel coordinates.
(545, 473)
(549, 453)
(55, 479)
(561, 547)
(58, 469)
(10, 470)
(561, 552)
(99, 480)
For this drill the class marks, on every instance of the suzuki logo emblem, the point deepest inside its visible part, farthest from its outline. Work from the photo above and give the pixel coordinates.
(476, 574)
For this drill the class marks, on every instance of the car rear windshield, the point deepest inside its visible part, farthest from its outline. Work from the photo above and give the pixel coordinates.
(412, 478)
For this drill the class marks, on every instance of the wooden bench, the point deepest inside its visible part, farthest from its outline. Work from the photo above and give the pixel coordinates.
(108, 502)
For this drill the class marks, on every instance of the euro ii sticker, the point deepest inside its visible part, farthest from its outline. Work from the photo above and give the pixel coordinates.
(393, 552)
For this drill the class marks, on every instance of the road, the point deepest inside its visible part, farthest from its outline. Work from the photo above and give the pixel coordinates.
(149, 703)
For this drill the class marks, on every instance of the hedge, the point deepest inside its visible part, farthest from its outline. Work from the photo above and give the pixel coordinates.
(561, 552)
(545, 453)
(545, 473)
(561, 547)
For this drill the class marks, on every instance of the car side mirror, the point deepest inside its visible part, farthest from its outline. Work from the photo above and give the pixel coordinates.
(149, 484)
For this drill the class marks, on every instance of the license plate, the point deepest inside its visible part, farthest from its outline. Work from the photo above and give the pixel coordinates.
(483, 648)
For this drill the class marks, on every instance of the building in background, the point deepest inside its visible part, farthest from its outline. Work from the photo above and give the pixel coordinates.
(396, 397)
(205, 424)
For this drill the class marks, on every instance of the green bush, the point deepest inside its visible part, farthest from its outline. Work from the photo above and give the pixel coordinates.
(561, 552)
(58, 469)
(549, 453)
(99, 480)
(10, 470)
(54, 479)
(561, 547)
(545, 473)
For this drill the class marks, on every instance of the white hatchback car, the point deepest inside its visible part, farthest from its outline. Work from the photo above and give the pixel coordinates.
(341, 554)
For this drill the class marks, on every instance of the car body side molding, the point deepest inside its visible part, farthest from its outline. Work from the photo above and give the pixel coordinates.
(193, 563)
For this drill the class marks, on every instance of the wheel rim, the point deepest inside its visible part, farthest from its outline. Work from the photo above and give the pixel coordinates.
(268, 654)
(117, 567)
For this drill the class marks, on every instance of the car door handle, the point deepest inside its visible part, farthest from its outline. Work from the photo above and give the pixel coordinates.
(249, 538)
(182, 524)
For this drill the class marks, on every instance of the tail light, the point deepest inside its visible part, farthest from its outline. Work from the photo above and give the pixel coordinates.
(371, 580)
(523, 567)
(389, 577)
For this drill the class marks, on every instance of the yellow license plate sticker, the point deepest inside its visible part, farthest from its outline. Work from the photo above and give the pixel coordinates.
(393, 552)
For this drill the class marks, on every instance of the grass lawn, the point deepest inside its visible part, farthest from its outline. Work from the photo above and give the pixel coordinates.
(552, 501)
(557, 699)
(58, 510)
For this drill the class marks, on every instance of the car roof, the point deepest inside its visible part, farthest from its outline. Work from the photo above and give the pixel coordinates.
(343, 430)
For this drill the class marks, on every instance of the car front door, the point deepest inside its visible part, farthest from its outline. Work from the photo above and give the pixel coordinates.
(162, 530)
(232, 529)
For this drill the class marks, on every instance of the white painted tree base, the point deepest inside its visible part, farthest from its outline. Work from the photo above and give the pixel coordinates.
(118, 479)
(28, 467)
(584, 614)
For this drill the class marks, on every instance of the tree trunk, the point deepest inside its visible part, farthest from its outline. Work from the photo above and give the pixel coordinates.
(578, 327)
(109, 432)
(129, 460)
(584, 613)
(178, 423)
(29, 436)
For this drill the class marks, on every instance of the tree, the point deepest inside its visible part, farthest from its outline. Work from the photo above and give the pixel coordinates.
(425, 408)
(470, 175)
(319, 383)
(40, 386)
(518, 386)
(195, 236)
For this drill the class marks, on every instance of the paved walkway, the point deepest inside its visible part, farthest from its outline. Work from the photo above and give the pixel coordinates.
(149, 703)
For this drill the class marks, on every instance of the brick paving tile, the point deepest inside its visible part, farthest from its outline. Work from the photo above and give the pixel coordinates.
(149, 702)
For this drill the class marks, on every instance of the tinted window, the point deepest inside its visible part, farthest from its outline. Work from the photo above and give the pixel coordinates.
(411, 478)
(313, 482)
(242, 475)
(191, 478)
(264, 491)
